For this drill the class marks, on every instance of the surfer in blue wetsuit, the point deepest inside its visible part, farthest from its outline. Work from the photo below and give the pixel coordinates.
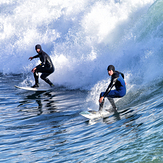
(46, 67)
(117, 80)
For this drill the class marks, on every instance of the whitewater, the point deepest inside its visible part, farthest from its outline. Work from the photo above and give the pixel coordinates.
(82, 38)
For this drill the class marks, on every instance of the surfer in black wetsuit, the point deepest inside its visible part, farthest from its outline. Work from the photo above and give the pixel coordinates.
(46, 67)
(117, 80)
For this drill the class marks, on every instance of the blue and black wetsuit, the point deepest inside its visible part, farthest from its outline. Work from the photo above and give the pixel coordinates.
(46, 67)
(117, 80)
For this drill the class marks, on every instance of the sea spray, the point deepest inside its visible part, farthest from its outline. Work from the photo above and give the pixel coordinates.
(81, 37)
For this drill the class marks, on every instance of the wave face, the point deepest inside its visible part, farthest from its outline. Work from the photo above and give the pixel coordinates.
(83, 38)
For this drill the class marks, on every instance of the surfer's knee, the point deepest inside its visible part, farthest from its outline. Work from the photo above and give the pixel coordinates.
(42, 77)
(102, 94)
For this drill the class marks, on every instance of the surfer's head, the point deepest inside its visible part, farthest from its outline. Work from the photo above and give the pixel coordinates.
(38, 48)
(111, 70)
(111, 67)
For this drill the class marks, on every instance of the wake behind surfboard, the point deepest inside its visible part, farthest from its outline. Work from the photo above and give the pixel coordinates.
(33, 89)
(95, 114)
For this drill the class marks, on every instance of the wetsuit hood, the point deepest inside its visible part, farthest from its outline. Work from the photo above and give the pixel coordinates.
(38, 47)
(111, 67)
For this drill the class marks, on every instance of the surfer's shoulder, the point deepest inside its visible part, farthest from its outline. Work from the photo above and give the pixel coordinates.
(115, 74)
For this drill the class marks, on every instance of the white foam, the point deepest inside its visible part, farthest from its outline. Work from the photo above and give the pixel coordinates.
(83, 38)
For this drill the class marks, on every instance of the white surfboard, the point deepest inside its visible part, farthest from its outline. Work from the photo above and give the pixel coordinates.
(95, 114)
(33, 89)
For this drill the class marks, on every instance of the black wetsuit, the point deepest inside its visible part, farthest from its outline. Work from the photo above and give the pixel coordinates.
(46, 67)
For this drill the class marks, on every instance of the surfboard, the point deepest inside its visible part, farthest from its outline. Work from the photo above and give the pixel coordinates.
(33, 89)
(95, 114)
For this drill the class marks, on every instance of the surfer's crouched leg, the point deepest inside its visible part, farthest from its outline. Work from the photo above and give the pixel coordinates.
(114, 108)
(47, 81)
(36, 85)
(102, 103)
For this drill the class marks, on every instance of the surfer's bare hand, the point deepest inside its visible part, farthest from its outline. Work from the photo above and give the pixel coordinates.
(101, 99)
(30, 58)
(33, 70)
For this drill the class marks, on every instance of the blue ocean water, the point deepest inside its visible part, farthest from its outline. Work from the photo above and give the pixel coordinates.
(82, 38)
